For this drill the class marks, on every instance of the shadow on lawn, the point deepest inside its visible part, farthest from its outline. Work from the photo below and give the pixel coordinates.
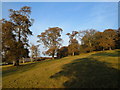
(17, 69)
(115, 54)
(88, 73)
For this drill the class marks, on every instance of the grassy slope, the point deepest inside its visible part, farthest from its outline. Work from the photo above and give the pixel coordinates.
(97, 69)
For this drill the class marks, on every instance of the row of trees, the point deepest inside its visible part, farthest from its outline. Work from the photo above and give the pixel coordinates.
(94, 40)
(79, 41)
(15, 33)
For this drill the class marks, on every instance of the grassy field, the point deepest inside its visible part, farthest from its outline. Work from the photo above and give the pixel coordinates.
(92, 70)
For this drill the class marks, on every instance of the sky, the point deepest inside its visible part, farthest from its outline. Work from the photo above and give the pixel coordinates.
(60, 0)
(67, 15)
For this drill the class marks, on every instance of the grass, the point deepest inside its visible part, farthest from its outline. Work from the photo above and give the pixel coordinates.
(91, 70)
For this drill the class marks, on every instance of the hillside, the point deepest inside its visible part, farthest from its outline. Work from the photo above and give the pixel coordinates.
(96, 70)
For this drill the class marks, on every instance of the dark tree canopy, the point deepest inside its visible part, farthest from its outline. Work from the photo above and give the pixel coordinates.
(117, 39)
(15, 35)
(8, 40)
(62, 52)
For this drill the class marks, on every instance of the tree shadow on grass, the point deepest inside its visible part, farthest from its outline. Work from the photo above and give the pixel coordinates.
(115, 54)
(88, 73)
(17, 69)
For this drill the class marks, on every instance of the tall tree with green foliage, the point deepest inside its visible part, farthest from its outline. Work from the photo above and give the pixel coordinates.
(51, 39)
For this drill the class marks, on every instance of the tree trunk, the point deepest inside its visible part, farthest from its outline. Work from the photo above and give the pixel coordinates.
(16, 63)
(31, 59)
(53, 56)
(73, 53)
(23, 60)
(103, 49)
(13, 63)
(19, 35)
(110, 48)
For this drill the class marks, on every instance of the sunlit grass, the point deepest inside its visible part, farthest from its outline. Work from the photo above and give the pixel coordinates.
(96, 69)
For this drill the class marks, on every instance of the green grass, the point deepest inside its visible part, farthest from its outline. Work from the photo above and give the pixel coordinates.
(92, 70)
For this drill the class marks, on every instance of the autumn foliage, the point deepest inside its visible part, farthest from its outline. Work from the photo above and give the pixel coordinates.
(15, 33)
(92, 40)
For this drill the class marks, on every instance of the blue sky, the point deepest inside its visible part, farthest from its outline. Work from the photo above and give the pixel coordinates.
(67, 15)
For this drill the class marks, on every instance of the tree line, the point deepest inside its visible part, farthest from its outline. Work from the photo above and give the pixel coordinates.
(15, 32)
(84, 41)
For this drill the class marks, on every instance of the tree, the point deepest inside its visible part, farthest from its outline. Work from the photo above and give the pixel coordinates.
(11, 48)
(105, 40)
(62, 52)
(108, 39)
(117, 39)
(22, 22)
(8, 41)
(73, 46)
(109, 35)
(34, 50)
(88, 40)
(0, 39)
(99, 42)
(51, 39)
